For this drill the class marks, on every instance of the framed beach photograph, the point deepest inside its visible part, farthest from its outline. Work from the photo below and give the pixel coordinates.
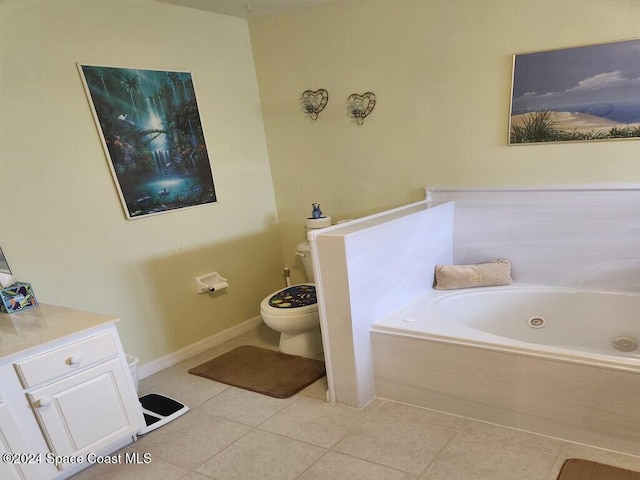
(150, 127)
(576, 94)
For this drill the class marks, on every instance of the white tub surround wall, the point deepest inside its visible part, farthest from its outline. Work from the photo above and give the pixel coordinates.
(366, 269)
(575, 237)
(583, 237)
(582, 403)
(471, 353)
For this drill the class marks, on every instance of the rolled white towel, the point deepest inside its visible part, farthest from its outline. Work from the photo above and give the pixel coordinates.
(495, 272)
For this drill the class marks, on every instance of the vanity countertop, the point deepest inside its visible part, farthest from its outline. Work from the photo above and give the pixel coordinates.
(21, 331)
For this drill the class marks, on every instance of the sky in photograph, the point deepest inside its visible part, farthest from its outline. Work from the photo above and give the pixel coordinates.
(605, 73)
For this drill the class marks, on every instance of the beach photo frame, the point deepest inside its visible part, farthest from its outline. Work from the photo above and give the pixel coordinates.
(585, 93)
(150, 128)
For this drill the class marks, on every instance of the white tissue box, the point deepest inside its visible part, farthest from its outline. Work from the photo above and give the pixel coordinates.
(17, 297)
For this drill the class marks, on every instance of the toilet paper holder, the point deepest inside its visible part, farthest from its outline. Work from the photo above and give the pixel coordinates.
(211, 282)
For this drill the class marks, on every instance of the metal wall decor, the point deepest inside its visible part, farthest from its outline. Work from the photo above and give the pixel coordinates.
(314, 102)
(360, 106)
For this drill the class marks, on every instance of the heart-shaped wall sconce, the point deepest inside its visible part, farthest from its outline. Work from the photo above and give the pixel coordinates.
(360, 106)
(314, 102)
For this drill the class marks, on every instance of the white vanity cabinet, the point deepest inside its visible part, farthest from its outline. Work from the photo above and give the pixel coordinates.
(9, 431)
(12, 442)
(65, 376)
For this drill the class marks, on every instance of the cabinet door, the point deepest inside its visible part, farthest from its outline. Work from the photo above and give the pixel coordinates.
(9, 433)
(87, 411)
(29, 465)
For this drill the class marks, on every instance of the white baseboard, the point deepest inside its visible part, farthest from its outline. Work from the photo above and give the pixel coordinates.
(195, 348)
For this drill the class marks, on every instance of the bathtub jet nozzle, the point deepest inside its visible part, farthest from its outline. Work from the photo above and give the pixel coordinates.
(625, 344)
(536, 322)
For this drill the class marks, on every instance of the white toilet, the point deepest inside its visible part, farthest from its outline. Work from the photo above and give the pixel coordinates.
(293, 311)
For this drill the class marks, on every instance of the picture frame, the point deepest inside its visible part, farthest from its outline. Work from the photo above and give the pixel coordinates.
(152, 135)
(4, 265)
(586, 93)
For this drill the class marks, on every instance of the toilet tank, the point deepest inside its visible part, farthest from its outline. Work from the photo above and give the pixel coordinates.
(304, 251)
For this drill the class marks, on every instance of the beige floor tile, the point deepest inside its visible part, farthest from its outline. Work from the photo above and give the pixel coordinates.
(196, 476)
(191, 439)
(337, 466)
(469, 457)
(399, 436)
(176, 382)
(497, 432)
(317, 389)
(262, 456)
(233, 434)
(244, 406)
(156, 469)
(555, 469)
(316, 421)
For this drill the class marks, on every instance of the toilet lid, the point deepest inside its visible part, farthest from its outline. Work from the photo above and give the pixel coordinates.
(294, 297)
(294, 300)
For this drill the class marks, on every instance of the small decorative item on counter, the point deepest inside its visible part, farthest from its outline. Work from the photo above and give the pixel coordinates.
(17, 297)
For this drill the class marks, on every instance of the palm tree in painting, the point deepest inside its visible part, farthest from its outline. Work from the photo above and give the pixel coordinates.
(132, 86)
(175, 81)
(101, 72)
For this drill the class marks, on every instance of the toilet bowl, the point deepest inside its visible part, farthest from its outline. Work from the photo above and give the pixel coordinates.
(293, 311)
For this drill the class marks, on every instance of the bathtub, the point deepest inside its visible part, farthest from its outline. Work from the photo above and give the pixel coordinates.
(558, 362)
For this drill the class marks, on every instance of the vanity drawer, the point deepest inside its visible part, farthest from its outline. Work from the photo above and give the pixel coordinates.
(63, 360)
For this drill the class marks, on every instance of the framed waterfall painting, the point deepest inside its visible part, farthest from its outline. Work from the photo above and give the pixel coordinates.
(576, 94)
(150, 128)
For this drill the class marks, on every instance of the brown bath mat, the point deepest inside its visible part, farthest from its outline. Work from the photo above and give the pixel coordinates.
(261, 370)
(576, 469)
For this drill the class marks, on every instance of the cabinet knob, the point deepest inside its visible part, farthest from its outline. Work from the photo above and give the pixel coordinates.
(74, 359)
(43, 402)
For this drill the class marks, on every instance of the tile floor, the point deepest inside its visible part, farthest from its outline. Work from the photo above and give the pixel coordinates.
(232, 434)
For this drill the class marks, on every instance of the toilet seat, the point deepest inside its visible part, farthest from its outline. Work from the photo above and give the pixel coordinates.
(295, 300)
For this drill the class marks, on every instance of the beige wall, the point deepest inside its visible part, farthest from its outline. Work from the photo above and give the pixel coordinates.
(441, 71)
(63, 228)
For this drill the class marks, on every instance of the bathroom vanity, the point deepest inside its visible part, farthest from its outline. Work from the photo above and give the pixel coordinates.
(67, 398)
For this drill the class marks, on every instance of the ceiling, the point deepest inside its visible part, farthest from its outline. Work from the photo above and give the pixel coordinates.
(246, 8)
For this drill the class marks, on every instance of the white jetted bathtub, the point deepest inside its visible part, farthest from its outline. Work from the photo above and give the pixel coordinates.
(558, 362)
